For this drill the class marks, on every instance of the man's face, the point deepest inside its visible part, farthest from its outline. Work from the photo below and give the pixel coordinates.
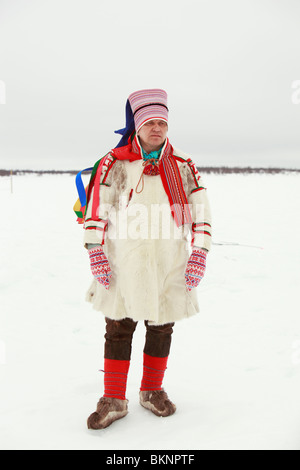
(153, 134)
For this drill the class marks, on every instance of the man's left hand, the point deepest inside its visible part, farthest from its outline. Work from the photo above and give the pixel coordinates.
(195, 268)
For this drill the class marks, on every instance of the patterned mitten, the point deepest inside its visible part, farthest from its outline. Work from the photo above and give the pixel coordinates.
(195, 268)
(100, 266)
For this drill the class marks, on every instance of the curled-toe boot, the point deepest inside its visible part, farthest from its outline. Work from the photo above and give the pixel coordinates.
(157, 401)
(108, 410)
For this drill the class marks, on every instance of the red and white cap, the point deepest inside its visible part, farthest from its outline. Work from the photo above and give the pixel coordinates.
(147, 105)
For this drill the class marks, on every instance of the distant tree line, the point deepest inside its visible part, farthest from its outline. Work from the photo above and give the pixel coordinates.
(201, 169)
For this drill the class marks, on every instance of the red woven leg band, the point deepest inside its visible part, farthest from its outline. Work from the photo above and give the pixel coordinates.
(115, 378)
(153, 372)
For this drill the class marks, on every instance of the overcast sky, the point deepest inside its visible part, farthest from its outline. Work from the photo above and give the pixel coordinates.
(229, 67)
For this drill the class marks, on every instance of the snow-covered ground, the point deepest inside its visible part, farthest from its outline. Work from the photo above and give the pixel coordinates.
(234, 369)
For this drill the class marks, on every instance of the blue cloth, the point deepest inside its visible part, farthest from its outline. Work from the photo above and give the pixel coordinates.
(80, 186)
(155, 154)
(129, 127)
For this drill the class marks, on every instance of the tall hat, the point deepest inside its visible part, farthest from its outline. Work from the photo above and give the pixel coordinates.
(143, 106)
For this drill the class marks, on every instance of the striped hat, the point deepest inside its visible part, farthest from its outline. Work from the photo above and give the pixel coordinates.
(147, 105)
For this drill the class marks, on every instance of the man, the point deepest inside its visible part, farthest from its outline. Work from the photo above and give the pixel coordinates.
(145, 199)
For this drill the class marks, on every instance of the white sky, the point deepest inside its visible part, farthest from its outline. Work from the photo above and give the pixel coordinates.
(68, 67)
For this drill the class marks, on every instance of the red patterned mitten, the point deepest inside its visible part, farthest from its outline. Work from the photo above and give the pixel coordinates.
(195, 268)
(100, 266)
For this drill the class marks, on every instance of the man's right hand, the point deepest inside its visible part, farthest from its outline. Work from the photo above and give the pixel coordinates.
(99, 265)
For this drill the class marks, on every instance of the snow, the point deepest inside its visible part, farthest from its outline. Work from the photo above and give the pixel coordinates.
(234, 369)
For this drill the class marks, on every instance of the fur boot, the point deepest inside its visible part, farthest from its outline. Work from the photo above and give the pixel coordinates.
(108, 410)
(157, 401)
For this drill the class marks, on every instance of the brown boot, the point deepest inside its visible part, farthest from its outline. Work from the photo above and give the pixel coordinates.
(158, 402)
(108, 411)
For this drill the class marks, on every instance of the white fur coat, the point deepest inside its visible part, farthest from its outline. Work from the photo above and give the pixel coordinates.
(146, 251)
